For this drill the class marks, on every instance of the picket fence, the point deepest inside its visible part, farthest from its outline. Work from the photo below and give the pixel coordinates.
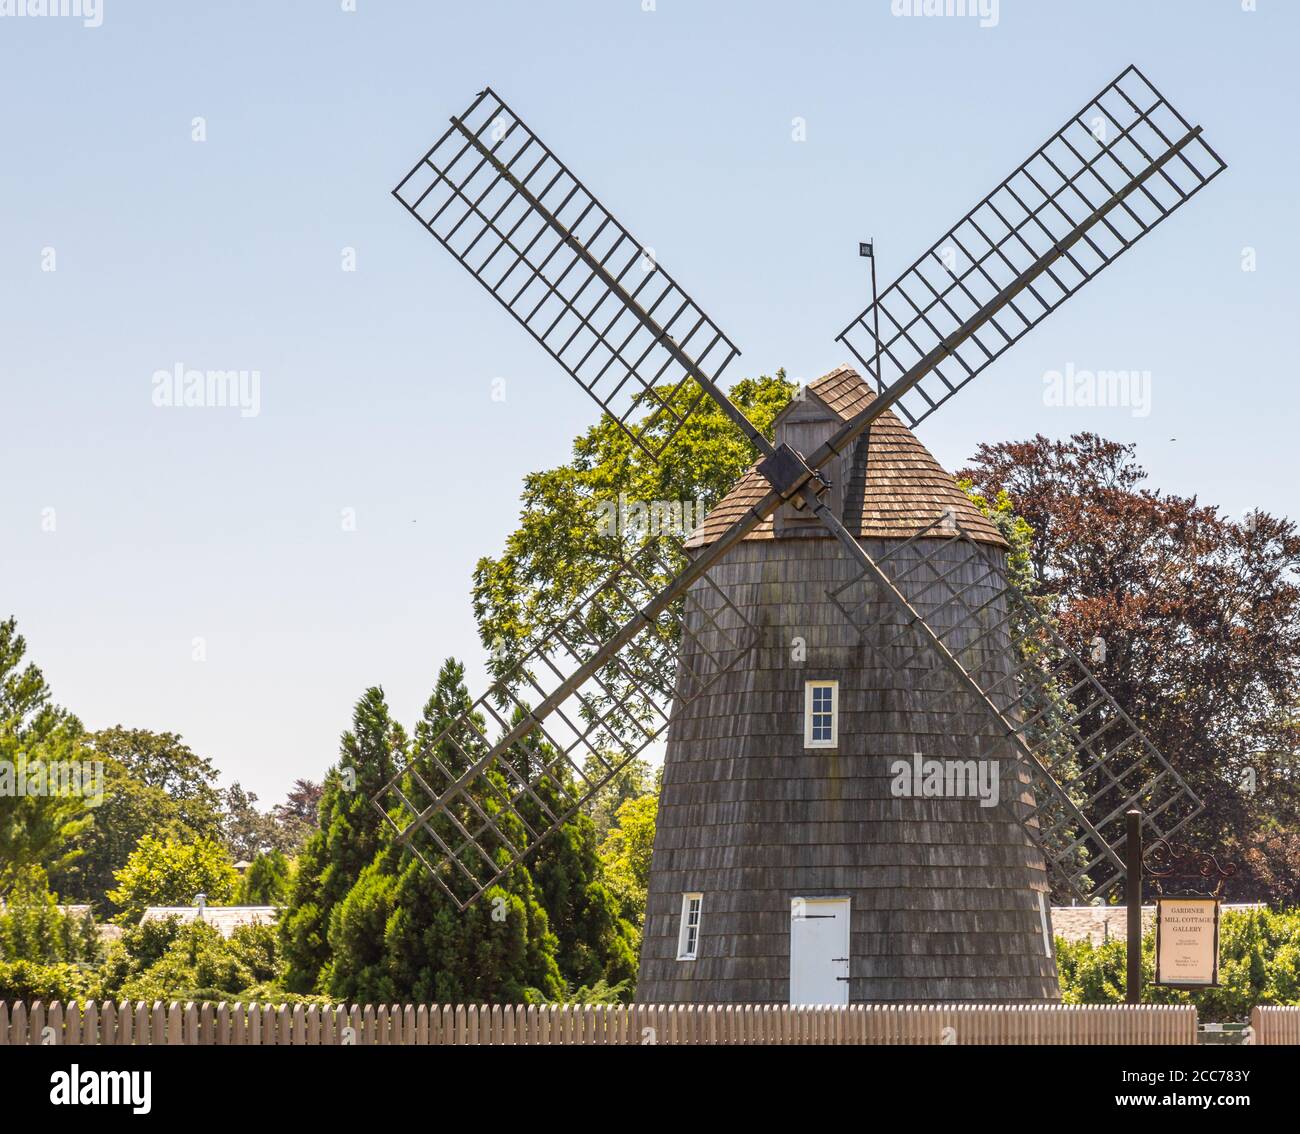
(1272, 1025)
(298, 1025)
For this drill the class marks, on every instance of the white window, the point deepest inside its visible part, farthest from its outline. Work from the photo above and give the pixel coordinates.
(688, 937)
(821, 725)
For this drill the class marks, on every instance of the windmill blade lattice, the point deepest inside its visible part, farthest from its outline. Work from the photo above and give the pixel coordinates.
(1088, 761)
(471, 808)
(1127, 160)
(530, 232)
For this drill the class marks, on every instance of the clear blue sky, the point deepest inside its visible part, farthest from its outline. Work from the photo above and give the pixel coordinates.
(175, 524)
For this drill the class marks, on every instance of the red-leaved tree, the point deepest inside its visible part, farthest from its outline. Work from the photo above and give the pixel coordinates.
(1200, 614)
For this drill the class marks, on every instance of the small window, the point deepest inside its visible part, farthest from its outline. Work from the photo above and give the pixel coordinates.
(688, 938)
(821, 726)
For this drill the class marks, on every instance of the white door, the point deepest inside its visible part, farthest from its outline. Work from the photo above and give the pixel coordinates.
(819, 951)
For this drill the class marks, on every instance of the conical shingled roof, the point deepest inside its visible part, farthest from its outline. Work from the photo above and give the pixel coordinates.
(896, 487)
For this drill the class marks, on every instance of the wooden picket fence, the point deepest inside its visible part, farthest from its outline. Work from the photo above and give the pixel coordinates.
(1273, 1025)
(298, 1025)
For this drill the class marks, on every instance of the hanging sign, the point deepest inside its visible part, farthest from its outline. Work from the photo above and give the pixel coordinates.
(1187, 942)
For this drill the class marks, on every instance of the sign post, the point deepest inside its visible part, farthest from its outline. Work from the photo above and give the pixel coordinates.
(1133, 861)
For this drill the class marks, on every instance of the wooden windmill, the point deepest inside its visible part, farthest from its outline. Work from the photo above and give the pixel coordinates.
(881, 757)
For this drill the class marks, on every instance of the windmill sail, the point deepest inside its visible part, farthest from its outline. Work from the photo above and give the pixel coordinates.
(596, 299)
(533, 235)
(1120, 166)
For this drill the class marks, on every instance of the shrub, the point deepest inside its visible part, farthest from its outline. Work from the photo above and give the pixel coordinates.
(1259, 963)
(27, 980)
(173, 960)
(34, 928)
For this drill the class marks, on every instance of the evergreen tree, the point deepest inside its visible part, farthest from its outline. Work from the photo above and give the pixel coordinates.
(595, 943)
(266, 882)
(499, 949)
(37, 828)
(346, 842)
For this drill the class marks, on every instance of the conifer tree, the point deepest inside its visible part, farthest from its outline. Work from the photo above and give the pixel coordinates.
(348, 838)
(595, 943)
(500, 948)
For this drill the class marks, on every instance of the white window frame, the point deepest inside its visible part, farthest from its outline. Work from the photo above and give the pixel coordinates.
(808, 741)
(688, 949)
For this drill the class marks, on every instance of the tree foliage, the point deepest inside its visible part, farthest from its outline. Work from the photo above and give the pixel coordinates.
(1200, 614)
(34, 927)
(168, 959)
(561, 549)
(397, 932)
(345, 842)
(295, 818)
(154, 784)
(595, 941)
(267, 880)
(36, 828)
(172, 872)
(626, 855)
(375, 925)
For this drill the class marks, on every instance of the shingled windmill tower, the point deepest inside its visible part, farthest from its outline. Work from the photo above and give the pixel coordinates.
(880, 753)
(787, 867)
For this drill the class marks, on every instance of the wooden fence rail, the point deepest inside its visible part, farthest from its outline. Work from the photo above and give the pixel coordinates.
(1271, 1025)
(274, 1025)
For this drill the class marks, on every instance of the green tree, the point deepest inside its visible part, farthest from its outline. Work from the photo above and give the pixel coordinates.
(162, 760)
(34, 927)
(38, 826)
(266, 881)
(171, 873)
(625, 854)
(561, 547)
(398, 933)
(634, 780)
(168, 959)
(346, 842)
(247, 831)
(154, 784)
(594, 941)
(1259, 963)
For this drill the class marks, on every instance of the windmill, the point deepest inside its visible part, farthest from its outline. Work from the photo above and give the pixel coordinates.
(671, 637)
